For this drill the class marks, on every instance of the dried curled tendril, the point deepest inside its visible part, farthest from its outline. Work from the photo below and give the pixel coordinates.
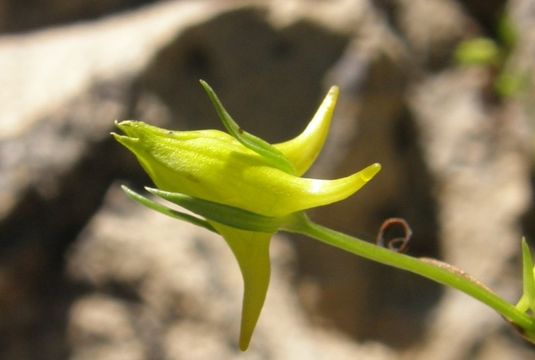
(398, 243)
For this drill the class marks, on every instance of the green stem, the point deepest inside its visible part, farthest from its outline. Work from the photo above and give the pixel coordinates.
(445, 274)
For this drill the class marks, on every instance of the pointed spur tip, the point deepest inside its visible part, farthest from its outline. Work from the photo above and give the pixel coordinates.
(334, 91)
(369, 172)
(244, 344)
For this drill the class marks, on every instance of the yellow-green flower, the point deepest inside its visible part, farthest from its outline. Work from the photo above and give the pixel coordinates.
(212, 165)
(241, 187)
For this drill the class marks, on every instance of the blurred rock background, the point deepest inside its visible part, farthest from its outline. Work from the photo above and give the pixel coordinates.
(87, 274)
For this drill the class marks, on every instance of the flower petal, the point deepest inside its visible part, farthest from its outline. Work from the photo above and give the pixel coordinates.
(303, 150)
(323, 192)
(213, 166)
(251, 249)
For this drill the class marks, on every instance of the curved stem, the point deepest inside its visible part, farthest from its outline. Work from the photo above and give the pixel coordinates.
(439, 272)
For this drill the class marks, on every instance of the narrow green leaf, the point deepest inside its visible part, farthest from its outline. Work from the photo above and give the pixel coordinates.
(507, 32)
(224, 214)
(269, 152)
(167, 211)
(510, 84)
(523, 303)
(478, 51)
(527, 272)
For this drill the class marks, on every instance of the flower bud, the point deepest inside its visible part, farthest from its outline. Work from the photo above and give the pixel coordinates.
(212, 165)
(240, 186)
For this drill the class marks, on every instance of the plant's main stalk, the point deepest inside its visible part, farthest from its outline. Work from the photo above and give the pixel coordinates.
(439, 272)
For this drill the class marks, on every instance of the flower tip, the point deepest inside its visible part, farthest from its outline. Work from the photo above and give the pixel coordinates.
(330, 100)
(120, 123)
(369, 172)
(205, 86)
(334, 91)
(244, 344)
(125, 140)
(125, 123)
(116, 136)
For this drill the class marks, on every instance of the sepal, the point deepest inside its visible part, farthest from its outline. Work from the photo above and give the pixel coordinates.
(275, 157)
(527, 301)
(167, 211)
(224, 214)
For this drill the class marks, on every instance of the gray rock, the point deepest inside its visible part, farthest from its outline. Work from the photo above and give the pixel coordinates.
(16, 16)
(481, 180)
(61, 90)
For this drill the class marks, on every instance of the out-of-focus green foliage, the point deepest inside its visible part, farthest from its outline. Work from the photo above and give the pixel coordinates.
(495, 54)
